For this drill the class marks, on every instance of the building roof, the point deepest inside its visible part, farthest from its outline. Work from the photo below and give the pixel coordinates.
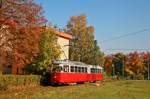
(61, 34)
(64, 35)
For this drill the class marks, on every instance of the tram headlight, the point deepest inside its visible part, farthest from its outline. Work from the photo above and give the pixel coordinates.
(55, 76)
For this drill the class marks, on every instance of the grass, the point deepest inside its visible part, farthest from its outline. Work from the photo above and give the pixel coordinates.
(106, 90)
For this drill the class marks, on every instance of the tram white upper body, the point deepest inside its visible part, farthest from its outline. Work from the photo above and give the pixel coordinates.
(74, 66)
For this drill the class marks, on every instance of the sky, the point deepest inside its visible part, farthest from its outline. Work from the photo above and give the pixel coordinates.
(110, 18)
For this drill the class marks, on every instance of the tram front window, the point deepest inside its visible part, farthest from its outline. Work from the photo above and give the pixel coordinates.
(57, 69)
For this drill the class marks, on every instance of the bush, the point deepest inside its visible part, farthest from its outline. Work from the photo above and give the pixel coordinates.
(7, 81)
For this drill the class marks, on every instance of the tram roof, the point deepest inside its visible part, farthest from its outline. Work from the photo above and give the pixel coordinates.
(68, 62)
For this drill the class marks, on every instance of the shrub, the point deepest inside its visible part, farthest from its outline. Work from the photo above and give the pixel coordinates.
(7, 81)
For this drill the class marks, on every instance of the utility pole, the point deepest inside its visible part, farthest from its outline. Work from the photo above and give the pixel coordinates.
(123, 65)
(95, 42)
(113, 70)
(148, 68)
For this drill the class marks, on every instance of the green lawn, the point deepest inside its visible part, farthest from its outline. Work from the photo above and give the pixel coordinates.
(106, 90)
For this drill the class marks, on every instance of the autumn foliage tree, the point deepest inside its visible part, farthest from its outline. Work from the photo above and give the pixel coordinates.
(108, 65)
(146, 58)
(49, 51)
(83, 47)
(134, 66)
(20, 29)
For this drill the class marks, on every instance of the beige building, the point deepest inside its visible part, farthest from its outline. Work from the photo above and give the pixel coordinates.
(63, 41)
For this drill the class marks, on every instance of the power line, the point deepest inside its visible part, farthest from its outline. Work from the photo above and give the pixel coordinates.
(125, 35)
(148, 49)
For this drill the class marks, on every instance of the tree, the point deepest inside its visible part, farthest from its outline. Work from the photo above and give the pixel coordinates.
(97, 57)
(134, 66)
(108, 65)
(20, 28)
(146, 62)
(24, 13)
(82, 44)
(118, 61)
(49, 51)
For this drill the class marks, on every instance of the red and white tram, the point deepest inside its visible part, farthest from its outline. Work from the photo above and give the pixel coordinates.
(73, 72)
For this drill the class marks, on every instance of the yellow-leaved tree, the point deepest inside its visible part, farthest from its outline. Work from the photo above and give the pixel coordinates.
(83, 47)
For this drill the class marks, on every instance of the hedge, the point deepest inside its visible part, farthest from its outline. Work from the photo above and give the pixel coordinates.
(9, 81)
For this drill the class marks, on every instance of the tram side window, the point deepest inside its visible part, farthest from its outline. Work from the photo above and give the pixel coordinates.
(91, 70)
(72, 69)
(82, 69)
(79, 69)
(66, 68)
(96, 70)
(85, 69)
(100, 70)
(76, 69)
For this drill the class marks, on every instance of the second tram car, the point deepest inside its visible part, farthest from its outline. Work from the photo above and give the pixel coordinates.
(73, 72)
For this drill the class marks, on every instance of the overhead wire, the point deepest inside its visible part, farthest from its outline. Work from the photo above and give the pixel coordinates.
(125, 35)
(129, 49)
